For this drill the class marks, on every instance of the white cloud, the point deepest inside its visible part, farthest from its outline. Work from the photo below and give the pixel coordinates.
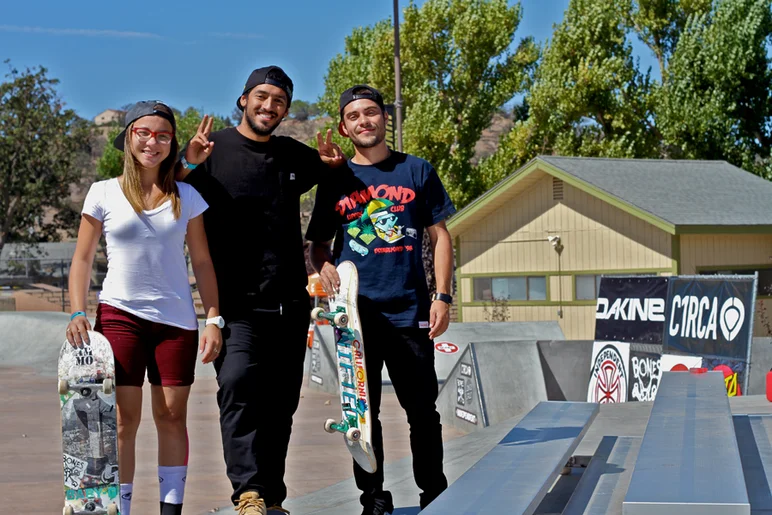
(79, 32)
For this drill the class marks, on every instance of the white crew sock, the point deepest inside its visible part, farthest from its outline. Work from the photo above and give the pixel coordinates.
(171, 481)
(126, 491)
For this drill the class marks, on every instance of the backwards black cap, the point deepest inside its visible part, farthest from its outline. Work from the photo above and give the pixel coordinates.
(272, 75)
(140, 109)
(358, 92)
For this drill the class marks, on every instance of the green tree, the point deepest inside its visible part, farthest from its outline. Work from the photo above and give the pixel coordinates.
(302, 110)
(715, 98)
(42, 148)
(458, 68)
(590, 97)
(110, 164)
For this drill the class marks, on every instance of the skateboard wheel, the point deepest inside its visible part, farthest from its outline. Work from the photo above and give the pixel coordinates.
(107, 386)
(316, 313)
(68, 510)
(64, 387)
(341, 319)
(328, 425)
(112, 509)
(353, 434)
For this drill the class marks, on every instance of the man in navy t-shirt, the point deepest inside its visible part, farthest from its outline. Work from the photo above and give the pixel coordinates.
(375, 214)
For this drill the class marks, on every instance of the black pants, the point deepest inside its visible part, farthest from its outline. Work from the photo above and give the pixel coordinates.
(409, 357)
(260, 374)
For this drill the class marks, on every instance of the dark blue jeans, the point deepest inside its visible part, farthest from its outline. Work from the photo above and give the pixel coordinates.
(408, 354)
(260, 374)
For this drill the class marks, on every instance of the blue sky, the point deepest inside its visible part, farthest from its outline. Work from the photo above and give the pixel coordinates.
(194, 53)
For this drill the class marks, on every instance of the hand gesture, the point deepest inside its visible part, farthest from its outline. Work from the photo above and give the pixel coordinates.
(77, 331)
(329, 152)
(199, 147)
(211, 343)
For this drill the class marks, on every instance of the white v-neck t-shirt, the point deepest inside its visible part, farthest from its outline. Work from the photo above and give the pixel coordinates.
(146, 270)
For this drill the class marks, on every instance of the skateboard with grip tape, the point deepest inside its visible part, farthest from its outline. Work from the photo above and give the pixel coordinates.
(355, 423)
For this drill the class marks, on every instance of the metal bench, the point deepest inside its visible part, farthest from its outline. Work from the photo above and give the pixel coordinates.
(689, 461)
(603, 484)
(753, 438)
(515, 475)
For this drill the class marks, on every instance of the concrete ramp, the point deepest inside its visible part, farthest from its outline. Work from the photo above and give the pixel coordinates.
(460, 335)
(323, 375)
(32, 339)
(496, 380)
(566, 370)
(321, 368)
(491, 382)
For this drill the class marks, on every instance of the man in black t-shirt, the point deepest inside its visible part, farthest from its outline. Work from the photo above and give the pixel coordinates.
(376, 212)
(253, 185)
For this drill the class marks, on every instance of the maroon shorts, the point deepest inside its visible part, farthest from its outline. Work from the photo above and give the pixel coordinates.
(168, 353)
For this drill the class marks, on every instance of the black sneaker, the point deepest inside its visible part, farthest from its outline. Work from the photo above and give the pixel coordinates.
(378, 507)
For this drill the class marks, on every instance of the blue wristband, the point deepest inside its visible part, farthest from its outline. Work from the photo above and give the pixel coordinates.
(186, 164)
(77, 314)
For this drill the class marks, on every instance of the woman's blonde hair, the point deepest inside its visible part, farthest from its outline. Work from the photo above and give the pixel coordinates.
(132, 185)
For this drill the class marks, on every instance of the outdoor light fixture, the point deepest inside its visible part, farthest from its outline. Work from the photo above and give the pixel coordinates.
(558, 246)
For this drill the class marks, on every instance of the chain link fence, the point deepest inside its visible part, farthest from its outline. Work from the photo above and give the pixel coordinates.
(45, 279)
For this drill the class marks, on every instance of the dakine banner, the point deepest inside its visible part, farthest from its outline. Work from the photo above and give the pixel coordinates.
(710, 315)
(631, 309)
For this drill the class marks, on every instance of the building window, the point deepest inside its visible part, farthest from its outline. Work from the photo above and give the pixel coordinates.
(587, 287)
(510, 288)
(764, 287)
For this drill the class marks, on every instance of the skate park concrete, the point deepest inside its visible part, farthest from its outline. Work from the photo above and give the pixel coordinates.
(319, 473)
(323, 371)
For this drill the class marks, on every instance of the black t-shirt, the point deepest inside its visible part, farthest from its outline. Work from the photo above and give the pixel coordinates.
(253, 222)
(377, 215)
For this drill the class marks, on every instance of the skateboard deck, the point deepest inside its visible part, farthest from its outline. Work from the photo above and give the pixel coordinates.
(89, 432)
(355, 423)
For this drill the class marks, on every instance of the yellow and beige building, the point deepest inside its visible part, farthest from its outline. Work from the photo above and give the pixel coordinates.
(533, 248)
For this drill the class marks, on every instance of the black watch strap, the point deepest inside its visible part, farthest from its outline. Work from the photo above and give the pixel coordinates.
(444, 297)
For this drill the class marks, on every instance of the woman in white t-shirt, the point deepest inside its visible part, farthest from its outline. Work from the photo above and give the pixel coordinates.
(145, 308)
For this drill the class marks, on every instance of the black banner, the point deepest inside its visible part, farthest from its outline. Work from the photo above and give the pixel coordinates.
(645, 373)
(709, 316)
(631, 309)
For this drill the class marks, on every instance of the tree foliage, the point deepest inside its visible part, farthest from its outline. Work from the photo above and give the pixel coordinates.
(42, 145)
(590, 96)
(459, 65)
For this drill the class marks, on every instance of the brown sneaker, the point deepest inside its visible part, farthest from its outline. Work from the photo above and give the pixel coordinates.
(250, 503)
(277, 510)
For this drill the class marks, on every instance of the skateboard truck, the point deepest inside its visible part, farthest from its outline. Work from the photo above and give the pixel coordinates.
(112, 509)
(337, 317)
(65, 386)
(346, 427)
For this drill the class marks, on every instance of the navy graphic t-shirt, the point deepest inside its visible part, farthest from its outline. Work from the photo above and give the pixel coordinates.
(377, 215)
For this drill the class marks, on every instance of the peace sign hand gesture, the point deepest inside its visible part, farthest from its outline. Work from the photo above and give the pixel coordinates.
(199, 147)
(330, 153)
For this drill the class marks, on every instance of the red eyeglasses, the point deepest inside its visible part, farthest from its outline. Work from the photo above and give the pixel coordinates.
(162, 137)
